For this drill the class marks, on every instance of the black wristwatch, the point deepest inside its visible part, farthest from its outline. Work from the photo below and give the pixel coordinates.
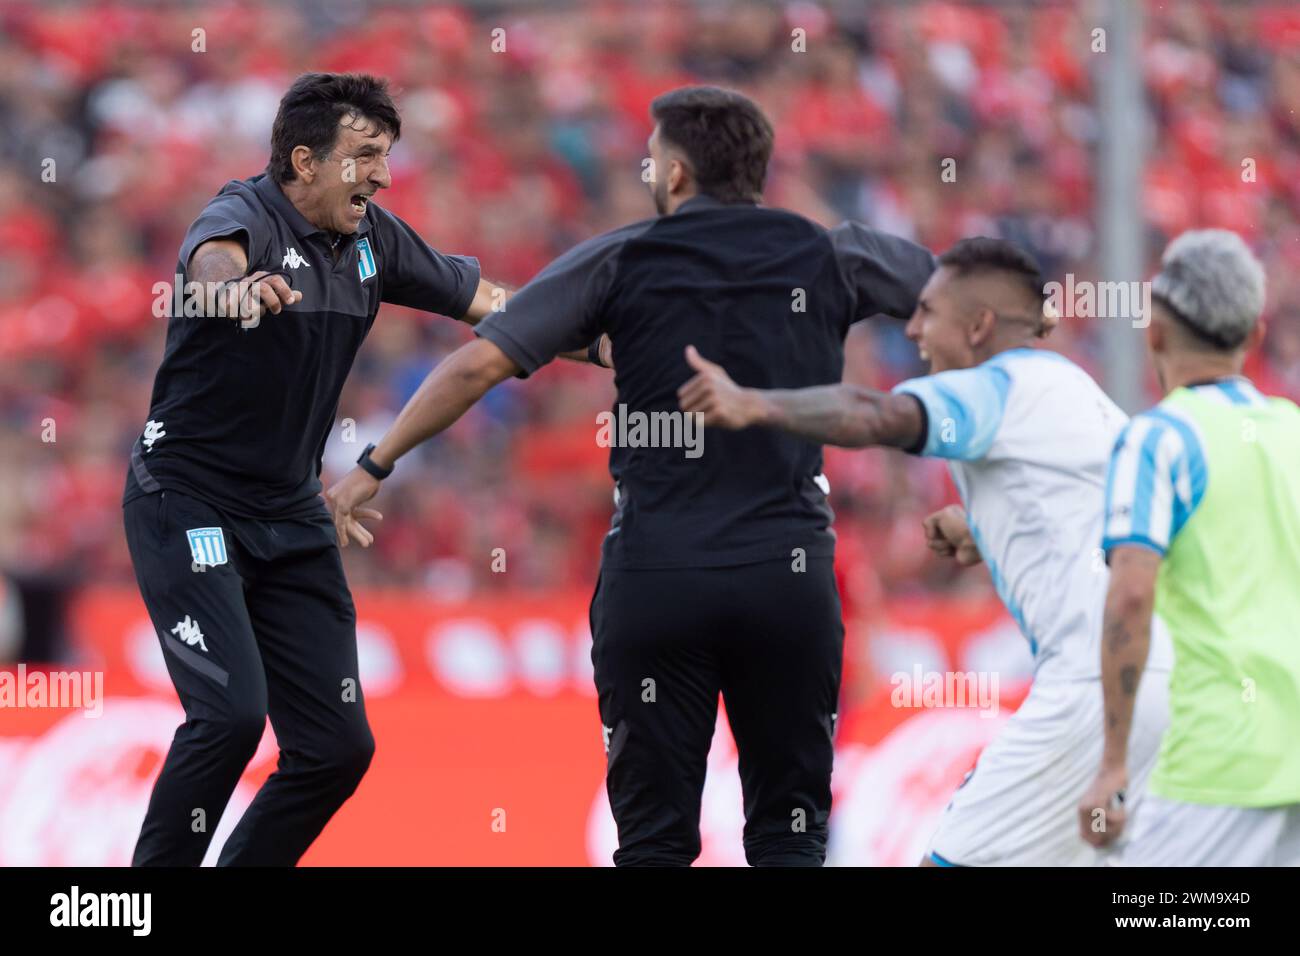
(370, 467)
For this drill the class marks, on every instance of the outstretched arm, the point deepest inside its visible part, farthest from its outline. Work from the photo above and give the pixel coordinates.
(847, 415)
(446, 394)
(489, 297)
(492, 297)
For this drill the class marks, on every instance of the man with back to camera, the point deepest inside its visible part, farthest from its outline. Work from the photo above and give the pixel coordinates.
(1028, 435)
(1203, 524)
(716, 575)
(233, 549)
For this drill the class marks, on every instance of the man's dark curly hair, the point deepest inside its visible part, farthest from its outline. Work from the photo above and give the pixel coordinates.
(309, 115)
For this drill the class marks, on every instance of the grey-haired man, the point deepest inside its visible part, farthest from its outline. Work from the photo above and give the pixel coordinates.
(1203, 524)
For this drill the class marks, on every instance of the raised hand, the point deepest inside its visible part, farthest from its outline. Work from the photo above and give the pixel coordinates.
(713, 394)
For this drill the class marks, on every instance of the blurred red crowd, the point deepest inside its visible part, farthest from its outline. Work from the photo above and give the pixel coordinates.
(122, 119)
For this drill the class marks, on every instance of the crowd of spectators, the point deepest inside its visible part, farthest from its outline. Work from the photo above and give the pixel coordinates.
(122, 119)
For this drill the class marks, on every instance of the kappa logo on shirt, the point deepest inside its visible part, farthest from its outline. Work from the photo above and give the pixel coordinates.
(292, 260)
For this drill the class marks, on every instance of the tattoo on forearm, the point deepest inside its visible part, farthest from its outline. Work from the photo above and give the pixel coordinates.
(1117, 636)
(214, 265)
(1128, 680)
(216, 270)
(843, 415)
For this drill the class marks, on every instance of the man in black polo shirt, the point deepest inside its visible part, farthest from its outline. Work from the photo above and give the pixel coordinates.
(716, 574)
(233, 549)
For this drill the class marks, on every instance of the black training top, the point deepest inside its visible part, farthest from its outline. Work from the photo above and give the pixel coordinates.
(767, 294)
(241, 410)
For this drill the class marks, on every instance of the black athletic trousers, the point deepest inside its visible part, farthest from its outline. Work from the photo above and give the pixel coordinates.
(269, 630)
(665, 643)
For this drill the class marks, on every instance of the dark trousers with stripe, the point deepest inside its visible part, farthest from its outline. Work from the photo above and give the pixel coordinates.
(271, 631)
(770, 639)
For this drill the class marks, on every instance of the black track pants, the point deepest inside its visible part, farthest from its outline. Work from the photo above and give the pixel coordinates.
(268, 627)
(665, 643)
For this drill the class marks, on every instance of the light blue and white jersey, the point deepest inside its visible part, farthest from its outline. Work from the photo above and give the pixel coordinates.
(1158, 474)
(1028, 435)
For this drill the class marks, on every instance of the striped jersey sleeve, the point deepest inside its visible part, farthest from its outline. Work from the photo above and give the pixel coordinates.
(963, 409)
(1155, 482)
